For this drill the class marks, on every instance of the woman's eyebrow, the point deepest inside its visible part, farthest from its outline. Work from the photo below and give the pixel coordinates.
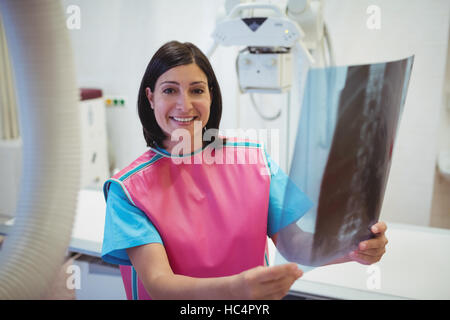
(172, 82)
(192, 83)
(198, 82)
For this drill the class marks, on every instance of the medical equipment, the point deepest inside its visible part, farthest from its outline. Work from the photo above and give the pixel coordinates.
(10, 142)
(269, 31)
(44, 68)
(268, 72)
(11, 158)
(94, 153)
(265, 64)
(272, 41)
(9, 126)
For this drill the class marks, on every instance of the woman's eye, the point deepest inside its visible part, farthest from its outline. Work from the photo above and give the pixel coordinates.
(198, 91)
(168, 91)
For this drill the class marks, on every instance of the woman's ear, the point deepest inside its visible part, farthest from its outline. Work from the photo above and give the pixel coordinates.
(149, 95)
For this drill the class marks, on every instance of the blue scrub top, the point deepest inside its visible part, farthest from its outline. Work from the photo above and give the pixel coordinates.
(127, 226)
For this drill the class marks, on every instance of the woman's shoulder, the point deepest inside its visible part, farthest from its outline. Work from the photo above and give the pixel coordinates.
(143, 160)
(120, 178)
(241, 142)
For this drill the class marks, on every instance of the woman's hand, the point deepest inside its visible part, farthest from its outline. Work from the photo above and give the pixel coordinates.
(371, 251)
(152, 265)
(264, 283)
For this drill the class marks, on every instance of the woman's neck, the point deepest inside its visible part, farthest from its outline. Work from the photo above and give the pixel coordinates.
(183, 148)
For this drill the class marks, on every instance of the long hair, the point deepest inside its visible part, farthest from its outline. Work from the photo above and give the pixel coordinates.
(170, 55)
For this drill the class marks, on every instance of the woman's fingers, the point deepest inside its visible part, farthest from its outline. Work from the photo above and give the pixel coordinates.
(277, 272)
(271, 282)
(276, 289)
(364, 259)
(379, 227)
(376, 243)
(372, 252)
(367, 257)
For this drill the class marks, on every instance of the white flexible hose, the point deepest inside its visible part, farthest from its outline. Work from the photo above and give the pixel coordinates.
(47, 94)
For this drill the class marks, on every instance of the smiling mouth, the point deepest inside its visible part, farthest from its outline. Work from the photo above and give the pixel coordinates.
(183, 119)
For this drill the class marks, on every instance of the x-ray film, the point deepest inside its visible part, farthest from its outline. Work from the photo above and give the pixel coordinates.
(342, 157)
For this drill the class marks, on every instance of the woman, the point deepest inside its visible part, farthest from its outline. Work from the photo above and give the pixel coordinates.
(189, 219)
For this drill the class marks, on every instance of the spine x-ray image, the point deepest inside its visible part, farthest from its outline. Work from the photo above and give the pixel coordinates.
(342, 157)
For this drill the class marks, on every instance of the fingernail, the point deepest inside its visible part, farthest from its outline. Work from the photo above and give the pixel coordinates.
(375, 229)
(362, 246)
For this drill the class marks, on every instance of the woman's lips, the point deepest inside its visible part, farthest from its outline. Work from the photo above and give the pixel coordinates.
(183, 120)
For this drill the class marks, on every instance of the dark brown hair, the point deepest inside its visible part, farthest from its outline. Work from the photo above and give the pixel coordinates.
(170, 55)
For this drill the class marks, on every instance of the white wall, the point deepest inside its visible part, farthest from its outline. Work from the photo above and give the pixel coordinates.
(117, 39)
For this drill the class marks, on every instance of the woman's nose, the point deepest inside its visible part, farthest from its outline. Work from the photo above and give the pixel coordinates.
(184, 102)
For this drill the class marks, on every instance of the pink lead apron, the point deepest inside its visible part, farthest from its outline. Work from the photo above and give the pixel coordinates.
(209, 208)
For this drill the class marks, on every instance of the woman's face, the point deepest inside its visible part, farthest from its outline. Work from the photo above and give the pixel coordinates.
(181, 99)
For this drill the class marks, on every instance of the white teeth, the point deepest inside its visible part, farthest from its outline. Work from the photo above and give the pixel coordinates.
(183, 119)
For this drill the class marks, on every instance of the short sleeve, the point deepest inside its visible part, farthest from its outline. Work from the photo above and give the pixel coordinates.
(287, 203)
(126, 226)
